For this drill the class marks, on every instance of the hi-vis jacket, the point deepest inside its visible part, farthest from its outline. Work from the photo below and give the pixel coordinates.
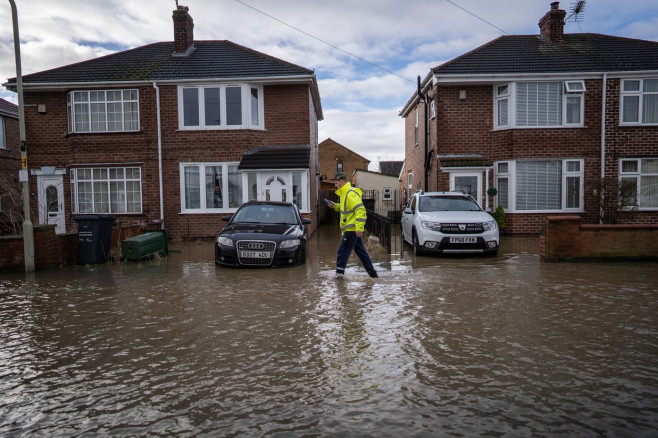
(351, 208)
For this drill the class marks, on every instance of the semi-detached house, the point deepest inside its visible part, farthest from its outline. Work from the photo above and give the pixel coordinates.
(545, 120)
(178, 133)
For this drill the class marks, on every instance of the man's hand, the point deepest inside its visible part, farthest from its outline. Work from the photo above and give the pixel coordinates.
(359, 233)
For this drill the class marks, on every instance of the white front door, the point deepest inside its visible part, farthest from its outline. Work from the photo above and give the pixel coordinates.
(273, 187)
(51, 201)
(470, 183)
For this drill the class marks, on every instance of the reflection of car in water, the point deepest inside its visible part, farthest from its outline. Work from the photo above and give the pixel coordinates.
(263, 234)
(448, 222)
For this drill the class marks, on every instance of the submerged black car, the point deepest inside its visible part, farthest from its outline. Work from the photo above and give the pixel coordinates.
(263, 233)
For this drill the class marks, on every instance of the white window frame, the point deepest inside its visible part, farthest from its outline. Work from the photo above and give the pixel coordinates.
(509, 94)
(416, 126)
(126, 99)
(247, 177)
(410, 180)
(501, 174)
(432, 108)
(565, 174)
(247, 110)
(640, 95)
(76, 181)
(637, 175)
(387, 194)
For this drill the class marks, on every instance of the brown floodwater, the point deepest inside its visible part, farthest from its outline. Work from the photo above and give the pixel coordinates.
(437, 346)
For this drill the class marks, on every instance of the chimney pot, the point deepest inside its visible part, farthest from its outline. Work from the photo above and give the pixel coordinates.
(183, 31)
(551, 25)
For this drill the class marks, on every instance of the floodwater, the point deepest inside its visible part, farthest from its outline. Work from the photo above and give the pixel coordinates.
(459, 347)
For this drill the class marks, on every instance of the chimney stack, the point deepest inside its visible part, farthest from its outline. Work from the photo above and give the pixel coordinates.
(551, 26)
(183, 31)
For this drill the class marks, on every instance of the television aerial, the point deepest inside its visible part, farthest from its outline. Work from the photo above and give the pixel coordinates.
(576, 11)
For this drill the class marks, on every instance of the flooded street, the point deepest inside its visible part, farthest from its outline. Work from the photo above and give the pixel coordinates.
(505, 346)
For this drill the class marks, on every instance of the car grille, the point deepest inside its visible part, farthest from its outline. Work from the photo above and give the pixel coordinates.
(259, 246)
(462, 228)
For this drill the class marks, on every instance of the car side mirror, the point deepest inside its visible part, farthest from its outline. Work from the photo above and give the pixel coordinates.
(408, 211)
(226, 218)
(305, 221)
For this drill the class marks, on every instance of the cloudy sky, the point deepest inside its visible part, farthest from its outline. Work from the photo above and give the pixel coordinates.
(366, 53)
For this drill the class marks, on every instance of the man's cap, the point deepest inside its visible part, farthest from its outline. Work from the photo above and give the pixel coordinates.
(339, 176)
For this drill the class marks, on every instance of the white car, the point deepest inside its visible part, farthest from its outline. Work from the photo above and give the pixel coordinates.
(448, 222)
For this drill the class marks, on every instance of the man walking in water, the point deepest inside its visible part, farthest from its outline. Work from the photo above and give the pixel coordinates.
(352, 223)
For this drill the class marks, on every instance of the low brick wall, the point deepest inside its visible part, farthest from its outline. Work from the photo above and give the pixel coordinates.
(51, 250)
(567, 239)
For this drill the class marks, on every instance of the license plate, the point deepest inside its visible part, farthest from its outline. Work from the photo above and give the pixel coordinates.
(463, 240)
(255, 254)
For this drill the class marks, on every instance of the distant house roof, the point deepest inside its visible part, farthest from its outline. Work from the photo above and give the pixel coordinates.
(329, 141)
(8, 109)
(277, 157)
(470, 160)
(392, 168)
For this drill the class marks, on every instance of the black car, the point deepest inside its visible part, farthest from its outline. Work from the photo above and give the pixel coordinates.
(262, 234)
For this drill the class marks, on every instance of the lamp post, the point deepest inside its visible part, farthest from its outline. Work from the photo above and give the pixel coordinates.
(28, 230)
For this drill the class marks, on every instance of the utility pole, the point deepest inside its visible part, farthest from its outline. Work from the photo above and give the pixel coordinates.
(28, 230)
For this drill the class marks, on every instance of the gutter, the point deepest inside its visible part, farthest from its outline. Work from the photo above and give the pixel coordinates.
(157, 112)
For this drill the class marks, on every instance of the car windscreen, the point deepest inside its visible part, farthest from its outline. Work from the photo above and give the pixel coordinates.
(266, 214)
(447, 203)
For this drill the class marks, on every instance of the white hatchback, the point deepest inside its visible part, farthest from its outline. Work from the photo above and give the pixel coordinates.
(448, 222)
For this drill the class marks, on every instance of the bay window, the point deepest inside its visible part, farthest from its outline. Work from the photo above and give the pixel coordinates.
(223, 187)
(106, 190)
(540, 185)
(539, 104)
(640, 177)
(216, 106)
(639, 101)
(102, 111)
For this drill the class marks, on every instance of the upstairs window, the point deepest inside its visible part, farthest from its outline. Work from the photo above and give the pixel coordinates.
(539, 104)
(639, 101)
(220, 107)
(103, 111)
(3, 142)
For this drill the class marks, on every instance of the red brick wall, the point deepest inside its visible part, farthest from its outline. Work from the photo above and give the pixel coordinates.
(287, 122)
(332, 153)
(466, 127)
(567, 239)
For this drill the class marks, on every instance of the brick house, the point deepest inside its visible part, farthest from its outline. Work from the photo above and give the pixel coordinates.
(11, 210)
(545, 120)
(178, 133)
(334, 157)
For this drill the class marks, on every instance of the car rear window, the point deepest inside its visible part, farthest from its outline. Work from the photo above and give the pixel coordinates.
(447, 203)
(266, 214)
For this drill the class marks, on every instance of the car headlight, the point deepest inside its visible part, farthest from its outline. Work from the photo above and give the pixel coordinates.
(434, 226)
(225, 241)
(291, 243)
(491, 225)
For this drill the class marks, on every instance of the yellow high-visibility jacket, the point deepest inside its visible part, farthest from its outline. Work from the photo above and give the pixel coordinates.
(352, 211)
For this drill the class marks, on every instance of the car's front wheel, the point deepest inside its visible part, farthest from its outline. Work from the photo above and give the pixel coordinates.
(418, 250)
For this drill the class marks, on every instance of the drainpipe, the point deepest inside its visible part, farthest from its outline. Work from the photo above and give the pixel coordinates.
(425, 131)
(157, 112)
(603, 102)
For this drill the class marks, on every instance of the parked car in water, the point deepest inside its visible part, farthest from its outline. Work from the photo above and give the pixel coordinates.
(448, 222)
(262, 234)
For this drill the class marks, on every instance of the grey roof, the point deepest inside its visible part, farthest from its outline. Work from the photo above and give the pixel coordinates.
(155, 62)
(587, 52)
(8, 109)
(391, 167)
(277, 157)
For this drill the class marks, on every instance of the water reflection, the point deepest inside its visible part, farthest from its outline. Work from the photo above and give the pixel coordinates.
(435, 346)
